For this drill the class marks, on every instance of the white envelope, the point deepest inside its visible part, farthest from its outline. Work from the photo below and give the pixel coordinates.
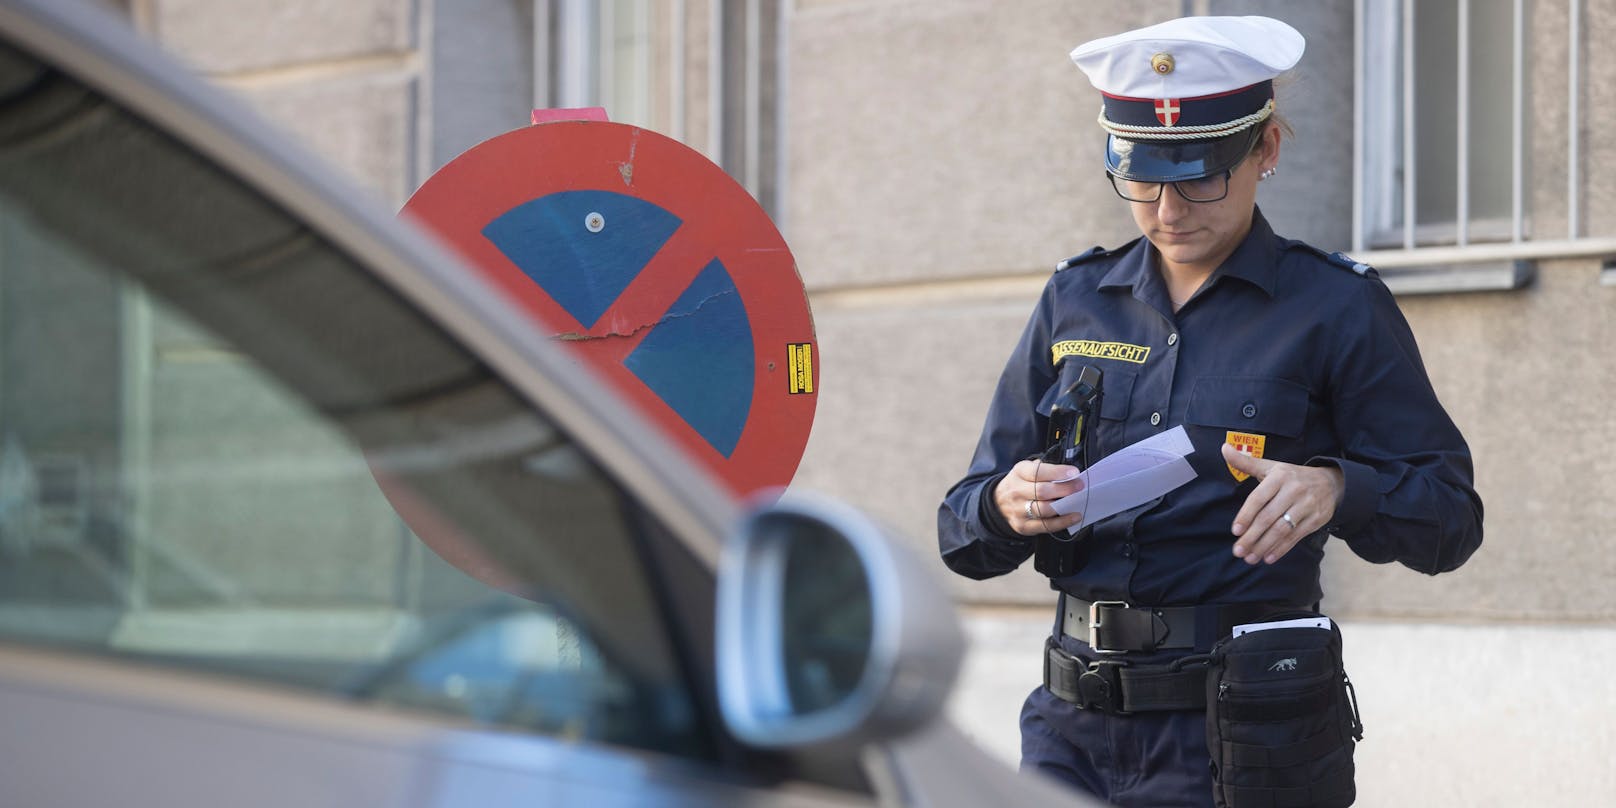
(1131, 477)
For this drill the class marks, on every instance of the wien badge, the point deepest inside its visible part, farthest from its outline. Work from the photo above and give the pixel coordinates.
(1246, 443)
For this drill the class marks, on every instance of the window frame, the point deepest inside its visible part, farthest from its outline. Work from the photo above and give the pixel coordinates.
(689, 511)
(229, 275)
(417, 268)
(692, 513)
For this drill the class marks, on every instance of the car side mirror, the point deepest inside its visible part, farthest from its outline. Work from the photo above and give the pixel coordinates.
(828, 630)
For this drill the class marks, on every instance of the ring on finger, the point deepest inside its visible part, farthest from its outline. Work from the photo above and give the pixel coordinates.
(1031, 512)
(1288, 520)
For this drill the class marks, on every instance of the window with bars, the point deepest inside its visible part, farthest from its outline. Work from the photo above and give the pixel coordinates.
(1440, 147)
(1445, 136)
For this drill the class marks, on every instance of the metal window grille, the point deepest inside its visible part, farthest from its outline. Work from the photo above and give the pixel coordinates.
(1447, 211)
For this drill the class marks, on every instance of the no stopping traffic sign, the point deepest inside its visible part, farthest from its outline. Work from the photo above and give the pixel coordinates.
(657, 269)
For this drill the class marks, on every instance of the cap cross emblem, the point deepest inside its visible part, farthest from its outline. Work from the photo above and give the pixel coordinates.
(1167, 111)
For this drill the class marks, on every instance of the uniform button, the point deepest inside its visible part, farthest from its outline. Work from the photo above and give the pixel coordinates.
(1155, 419)
(1249, 410)
(1172, 339)
(1128, 549)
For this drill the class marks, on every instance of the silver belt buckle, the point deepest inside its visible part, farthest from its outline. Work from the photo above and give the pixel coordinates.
(1094, 625)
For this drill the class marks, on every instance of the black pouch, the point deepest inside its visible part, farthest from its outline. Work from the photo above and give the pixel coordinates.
(1281, 719)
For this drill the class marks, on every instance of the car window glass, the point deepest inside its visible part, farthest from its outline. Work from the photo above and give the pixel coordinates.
(211, 422)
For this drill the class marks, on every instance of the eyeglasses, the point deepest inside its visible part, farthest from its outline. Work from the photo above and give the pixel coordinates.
(1202, 189)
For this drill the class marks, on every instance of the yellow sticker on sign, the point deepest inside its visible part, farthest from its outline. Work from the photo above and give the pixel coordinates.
(1246, 443)
(800, 367)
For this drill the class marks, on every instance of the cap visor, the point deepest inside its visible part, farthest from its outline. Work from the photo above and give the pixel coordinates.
(1175, 160)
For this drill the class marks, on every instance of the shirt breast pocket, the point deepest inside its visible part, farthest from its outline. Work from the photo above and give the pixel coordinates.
(1116, 390)
(1271, 412)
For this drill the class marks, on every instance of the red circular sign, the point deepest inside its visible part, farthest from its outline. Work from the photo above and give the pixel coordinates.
(655, 267)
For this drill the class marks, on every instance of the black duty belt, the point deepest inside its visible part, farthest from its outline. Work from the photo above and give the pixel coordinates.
(1116, 684)
(1113, 626)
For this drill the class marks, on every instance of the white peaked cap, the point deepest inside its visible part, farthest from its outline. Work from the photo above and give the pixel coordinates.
(1210, 55)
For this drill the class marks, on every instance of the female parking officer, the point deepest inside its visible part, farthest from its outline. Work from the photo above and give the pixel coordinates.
(1212, 322)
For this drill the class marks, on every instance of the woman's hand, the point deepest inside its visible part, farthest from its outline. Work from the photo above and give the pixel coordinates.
(1288, 505)
(1026, 495)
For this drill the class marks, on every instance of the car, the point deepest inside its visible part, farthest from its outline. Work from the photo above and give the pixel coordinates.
(297, 509)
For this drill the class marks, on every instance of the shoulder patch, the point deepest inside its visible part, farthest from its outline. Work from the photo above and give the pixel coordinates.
(1337, 259)
(1091, 254)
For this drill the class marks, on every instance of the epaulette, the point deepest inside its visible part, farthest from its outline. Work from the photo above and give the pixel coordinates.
(1338, 259)
(1091, 254)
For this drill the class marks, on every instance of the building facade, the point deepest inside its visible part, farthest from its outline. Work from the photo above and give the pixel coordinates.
(929, 161)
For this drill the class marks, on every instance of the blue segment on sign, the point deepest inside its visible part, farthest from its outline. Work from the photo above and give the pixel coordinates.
(699, 360)
(583, 248)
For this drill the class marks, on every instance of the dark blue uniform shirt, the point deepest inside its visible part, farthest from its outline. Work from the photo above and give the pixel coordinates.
(1285, 345)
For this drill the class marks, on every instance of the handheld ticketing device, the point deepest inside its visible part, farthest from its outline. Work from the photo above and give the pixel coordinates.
(1070, 419)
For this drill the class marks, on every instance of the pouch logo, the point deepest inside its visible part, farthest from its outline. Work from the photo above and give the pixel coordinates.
(1100, 350)
(1286, 664)
(1245, 443)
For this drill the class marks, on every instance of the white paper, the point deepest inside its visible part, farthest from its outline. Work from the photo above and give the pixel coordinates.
(1301, 622)
(1131, 477)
